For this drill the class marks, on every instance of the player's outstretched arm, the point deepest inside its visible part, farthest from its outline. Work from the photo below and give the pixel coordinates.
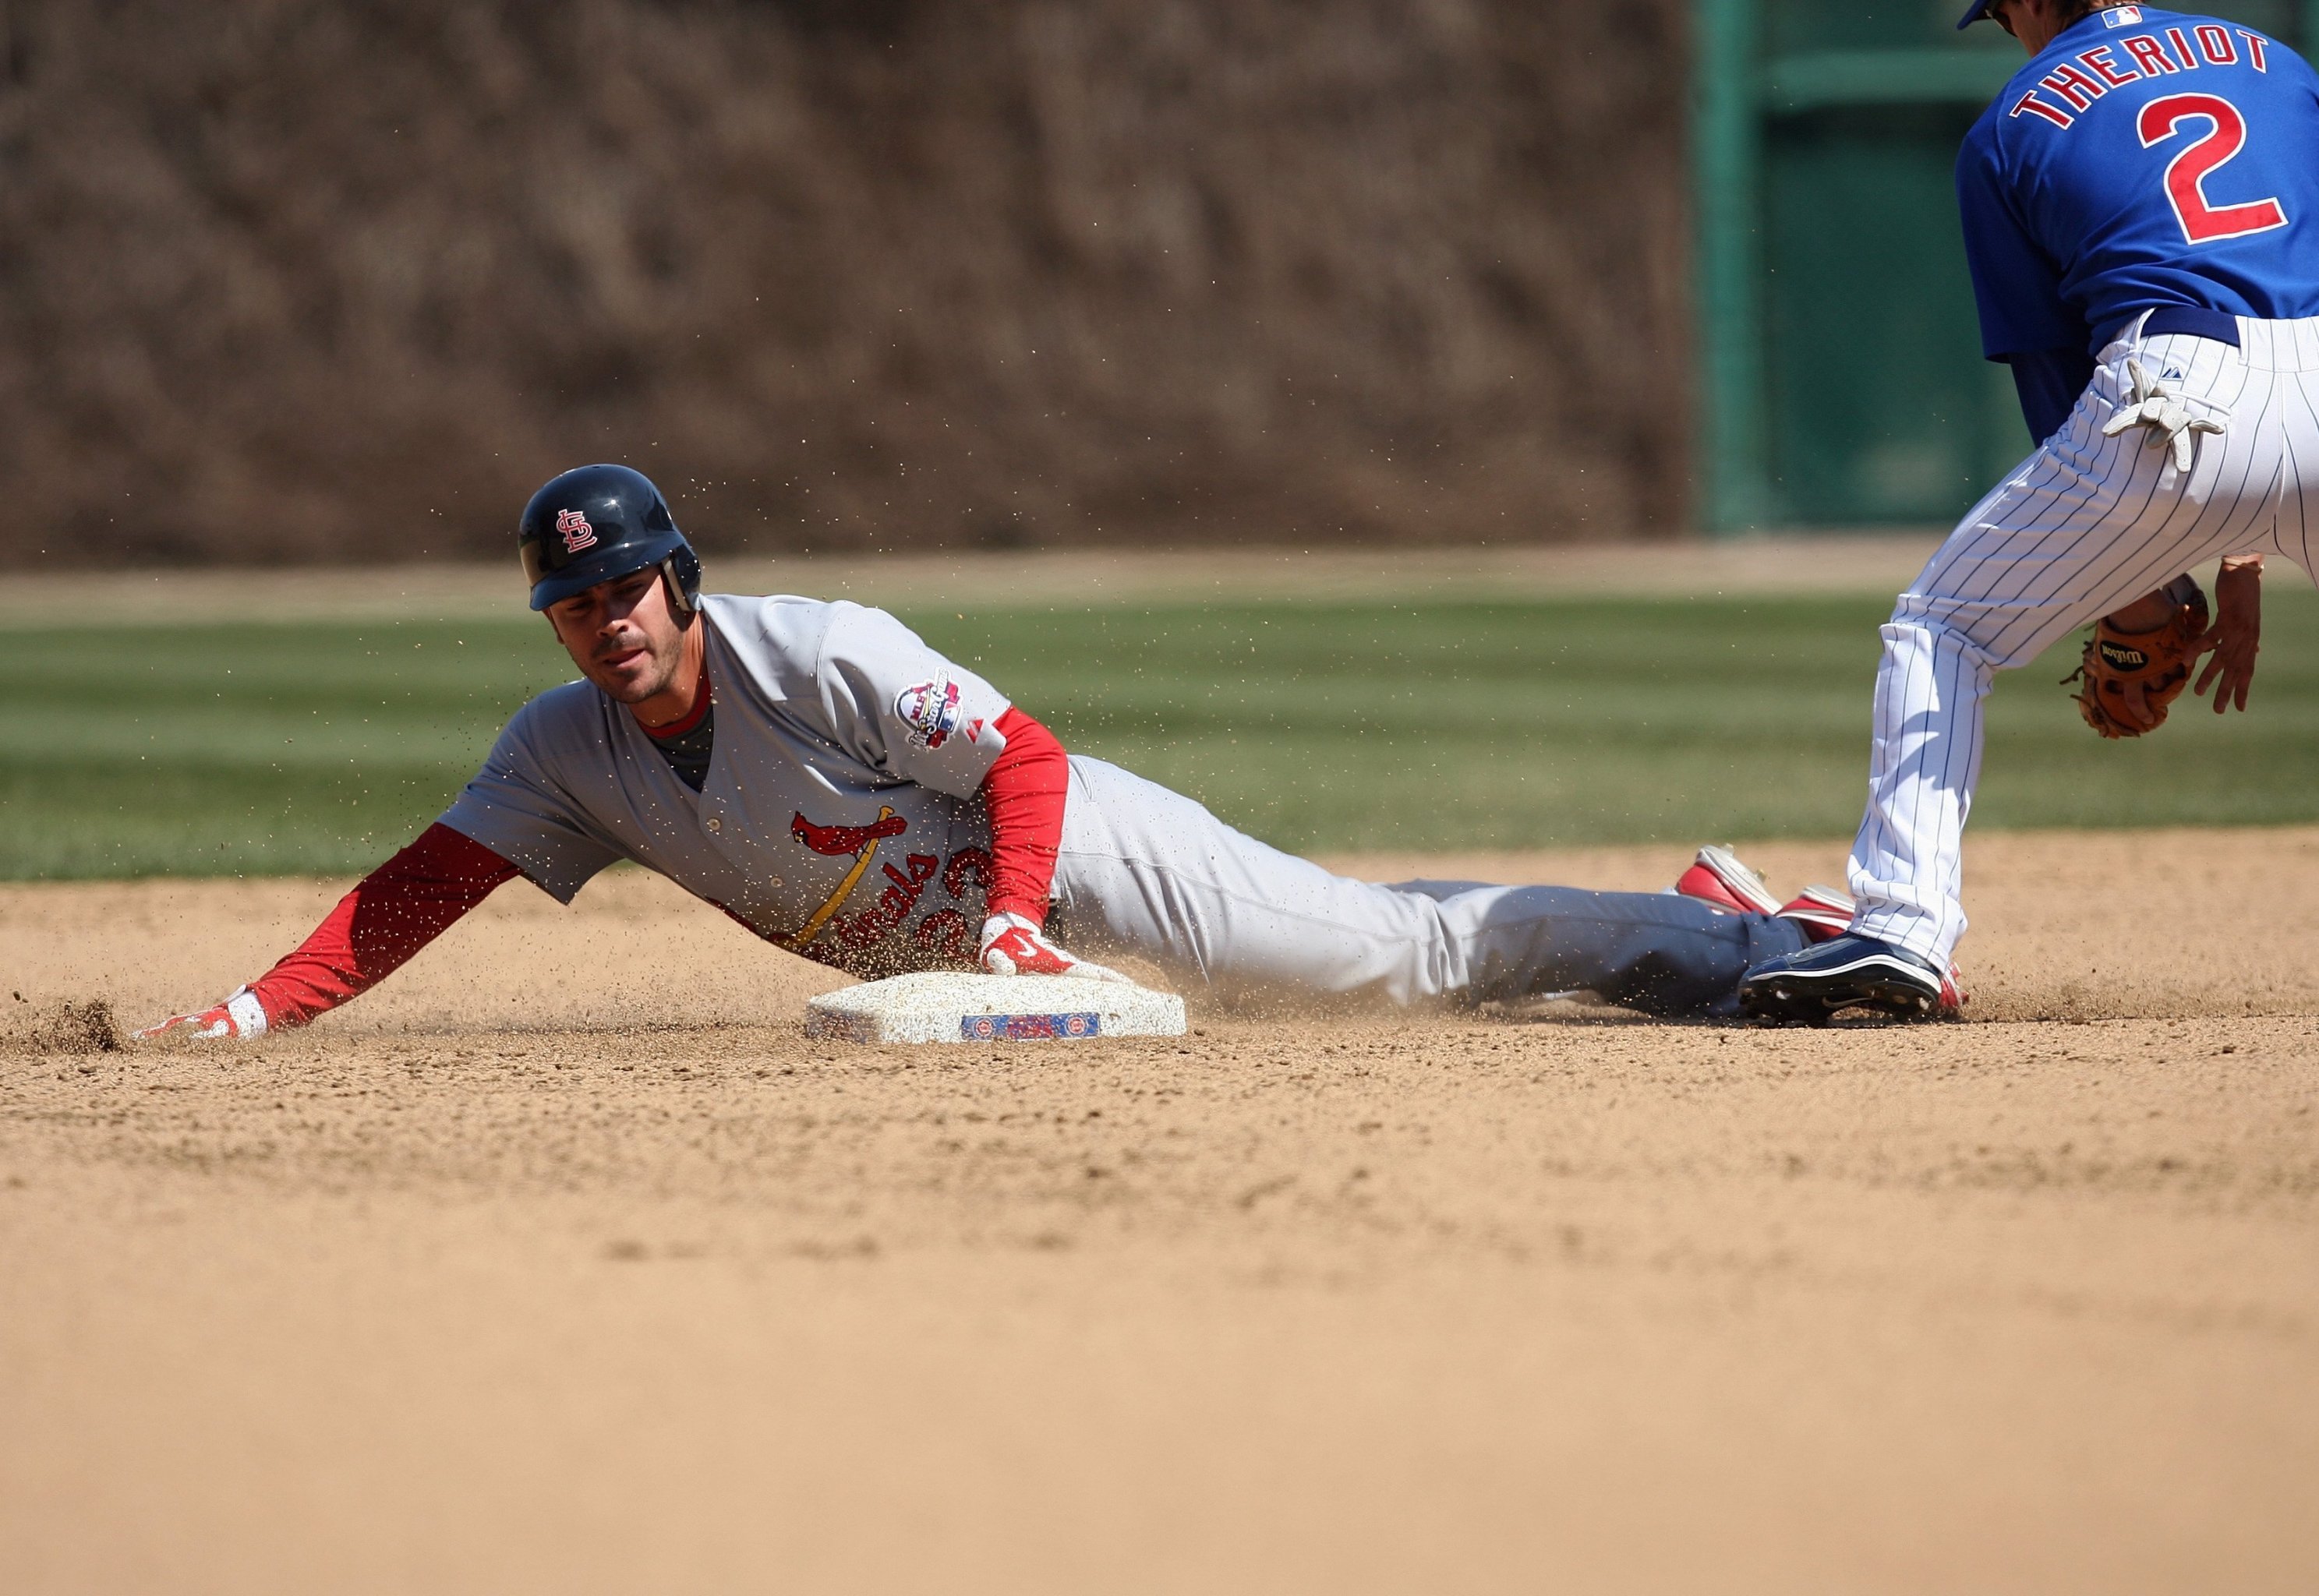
(1024, 792)
(397, 909)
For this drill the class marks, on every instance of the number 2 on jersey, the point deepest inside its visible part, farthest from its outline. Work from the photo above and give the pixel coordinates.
(2186, 174)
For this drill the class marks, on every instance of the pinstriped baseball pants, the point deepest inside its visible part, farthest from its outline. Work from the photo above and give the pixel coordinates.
(2087, 524)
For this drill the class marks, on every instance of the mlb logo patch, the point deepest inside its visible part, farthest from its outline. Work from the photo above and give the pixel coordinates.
(2123, 16)
(931, 711)
(577, 533)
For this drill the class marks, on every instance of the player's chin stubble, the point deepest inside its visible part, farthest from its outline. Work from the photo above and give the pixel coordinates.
(626, 684)
(637, 680)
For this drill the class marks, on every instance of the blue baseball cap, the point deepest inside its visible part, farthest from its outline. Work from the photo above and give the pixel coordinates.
(1978, 12)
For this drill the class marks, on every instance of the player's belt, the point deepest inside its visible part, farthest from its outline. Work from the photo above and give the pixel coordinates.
(2195, 320)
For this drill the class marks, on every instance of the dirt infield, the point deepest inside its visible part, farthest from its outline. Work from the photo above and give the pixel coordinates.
(554, 1267)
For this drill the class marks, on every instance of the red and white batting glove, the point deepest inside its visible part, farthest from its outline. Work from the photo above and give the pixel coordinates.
(1013, 944)
(239, 1018)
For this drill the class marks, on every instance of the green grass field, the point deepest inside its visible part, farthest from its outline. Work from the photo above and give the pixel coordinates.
(272, 749)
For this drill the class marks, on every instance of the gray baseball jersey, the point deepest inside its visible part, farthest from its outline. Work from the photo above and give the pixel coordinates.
(841, 818)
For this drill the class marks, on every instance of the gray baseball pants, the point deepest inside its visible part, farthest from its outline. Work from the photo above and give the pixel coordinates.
(1146, 871)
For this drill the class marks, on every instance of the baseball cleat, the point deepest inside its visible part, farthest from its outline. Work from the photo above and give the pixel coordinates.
(1826, 914)
(1813, 986)
(1823, 912)
(1719, 880)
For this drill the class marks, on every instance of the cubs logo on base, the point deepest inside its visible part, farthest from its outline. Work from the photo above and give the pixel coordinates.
(1031, 1027)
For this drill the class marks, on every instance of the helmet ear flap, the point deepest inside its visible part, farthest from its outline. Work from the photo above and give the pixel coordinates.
(681, 571)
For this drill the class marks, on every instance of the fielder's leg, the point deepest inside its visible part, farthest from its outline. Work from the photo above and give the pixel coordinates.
(2089, 523)
(1149, 871)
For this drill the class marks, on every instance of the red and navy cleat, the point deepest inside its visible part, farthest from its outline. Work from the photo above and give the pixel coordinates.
(1814, 985)
(1826, 914)
(1719, 880)
(1823, 912)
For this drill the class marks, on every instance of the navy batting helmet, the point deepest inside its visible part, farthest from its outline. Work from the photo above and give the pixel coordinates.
(597, 523)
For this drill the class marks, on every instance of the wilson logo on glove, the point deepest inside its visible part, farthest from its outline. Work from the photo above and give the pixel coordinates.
(2121, 668)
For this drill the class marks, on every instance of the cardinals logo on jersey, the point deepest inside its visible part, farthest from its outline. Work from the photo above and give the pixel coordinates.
(577, 533)
(931, 711)
(837, 842)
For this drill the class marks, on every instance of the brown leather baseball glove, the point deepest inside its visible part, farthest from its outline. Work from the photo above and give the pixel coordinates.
(2123, 672)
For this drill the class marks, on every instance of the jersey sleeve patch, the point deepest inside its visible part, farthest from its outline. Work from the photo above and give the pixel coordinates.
(930, 709)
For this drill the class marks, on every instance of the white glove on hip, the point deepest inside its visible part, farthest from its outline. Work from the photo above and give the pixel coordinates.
(2167, 415)
(1014, 945)
(239, 1018)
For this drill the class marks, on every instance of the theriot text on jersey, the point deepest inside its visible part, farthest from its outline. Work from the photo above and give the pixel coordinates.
(2145, 158)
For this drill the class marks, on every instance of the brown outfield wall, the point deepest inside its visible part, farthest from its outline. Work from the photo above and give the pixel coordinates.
(306, 280)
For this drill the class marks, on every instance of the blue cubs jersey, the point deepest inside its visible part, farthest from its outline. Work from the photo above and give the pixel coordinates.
(2145, 158)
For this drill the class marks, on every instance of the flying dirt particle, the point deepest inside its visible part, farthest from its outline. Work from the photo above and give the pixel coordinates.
(626, 1252)
(69, 1027)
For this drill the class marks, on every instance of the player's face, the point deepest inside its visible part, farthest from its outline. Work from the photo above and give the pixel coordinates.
(2029, 20)
(622, 635)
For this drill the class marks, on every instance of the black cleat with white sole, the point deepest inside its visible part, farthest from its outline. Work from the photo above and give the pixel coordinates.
(1812, 986)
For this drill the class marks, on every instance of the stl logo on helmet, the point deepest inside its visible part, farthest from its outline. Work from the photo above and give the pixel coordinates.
(577, 533)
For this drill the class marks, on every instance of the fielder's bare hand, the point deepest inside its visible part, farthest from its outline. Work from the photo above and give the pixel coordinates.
(239, 1018)
(1013, 945)
(2136, 710)
(2237, 634)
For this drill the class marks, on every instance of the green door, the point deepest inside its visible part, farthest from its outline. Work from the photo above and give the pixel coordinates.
(1878, 408)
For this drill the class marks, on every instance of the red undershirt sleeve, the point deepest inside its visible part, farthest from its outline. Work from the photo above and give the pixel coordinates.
(398, 909)
(1024, 792)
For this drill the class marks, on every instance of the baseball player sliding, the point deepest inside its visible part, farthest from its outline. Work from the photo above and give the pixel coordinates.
(820, 774)
(2142, 216)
